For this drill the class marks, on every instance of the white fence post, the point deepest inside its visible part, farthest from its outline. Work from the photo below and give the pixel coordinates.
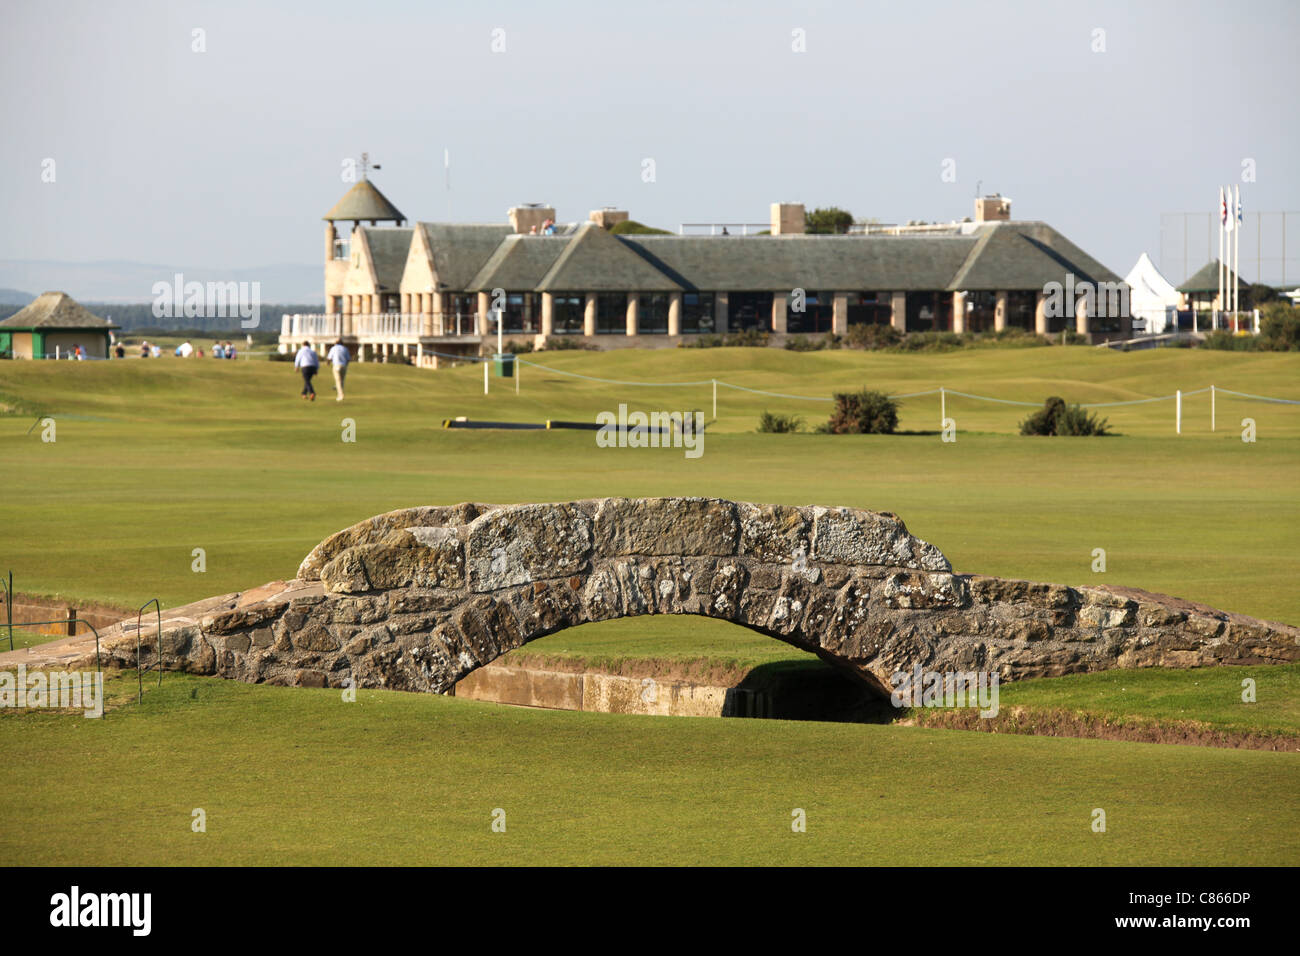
(1178, 411)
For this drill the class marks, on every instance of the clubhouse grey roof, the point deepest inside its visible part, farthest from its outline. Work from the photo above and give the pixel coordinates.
(846, 263)
(1024, 255)
(460, 250)
(364, 203)
(595, 261)
(987, 256)
(519, 263)
(389, 248)
(51, 311)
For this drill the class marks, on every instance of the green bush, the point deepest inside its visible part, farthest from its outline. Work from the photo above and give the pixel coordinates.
(630, 227)
(872, 337)
(779, 424)
(862, 413)
(1226, 341)
(566, 343)
(809, 343)
(1057, 418)
(749, 338)
(1279, 327)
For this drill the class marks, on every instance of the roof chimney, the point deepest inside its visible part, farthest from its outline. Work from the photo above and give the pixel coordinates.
(995, 208)
(529, 217)
(607, 217)
(787, 219)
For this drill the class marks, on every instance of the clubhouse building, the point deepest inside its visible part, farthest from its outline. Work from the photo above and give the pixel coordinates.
(426, 291)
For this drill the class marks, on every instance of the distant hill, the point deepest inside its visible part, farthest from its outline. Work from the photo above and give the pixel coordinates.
(14, 297)
(126, 282)
(136, 316)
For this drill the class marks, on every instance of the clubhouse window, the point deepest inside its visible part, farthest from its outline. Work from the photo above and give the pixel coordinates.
(697, 312)
(652, 313)
(870, 308)
(818, 309)
(566, 312)
(611, 313)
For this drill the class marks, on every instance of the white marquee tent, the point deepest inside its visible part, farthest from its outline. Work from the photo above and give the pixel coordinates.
(1153, 300)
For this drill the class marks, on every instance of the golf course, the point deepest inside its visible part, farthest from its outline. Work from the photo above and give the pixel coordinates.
(153, 459)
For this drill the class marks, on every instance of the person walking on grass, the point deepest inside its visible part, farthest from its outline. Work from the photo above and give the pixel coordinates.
(307, 363)
(338, 357)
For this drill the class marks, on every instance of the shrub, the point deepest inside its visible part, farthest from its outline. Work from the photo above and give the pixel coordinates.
(563, 343)
(871, 337)
(863, 413)
(749, 338)
(808, 343)
(931, 342)
(1057, 418)
(779, 424)
(519, 348)
(1279, 327)
(1226, 341)
(630, 227)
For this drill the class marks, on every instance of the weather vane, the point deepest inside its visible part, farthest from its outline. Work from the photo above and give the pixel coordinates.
(365, 165)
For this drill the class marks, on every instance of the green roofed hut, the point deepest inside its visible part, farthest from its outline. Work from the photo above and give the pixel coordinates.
(53, 325)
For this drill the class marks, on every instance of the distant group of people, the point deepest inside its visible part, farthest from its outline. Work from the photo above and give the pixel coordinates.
(219, 350)
(308, 364)
(548, 228)
(149, 351)
(76, 352)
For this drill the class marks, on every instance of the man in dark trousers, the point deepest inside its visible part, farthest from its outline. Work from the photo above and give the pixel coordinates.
(307, 363)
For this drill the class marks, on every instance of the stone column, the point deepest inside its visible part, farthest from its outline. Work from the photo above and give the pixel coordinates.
(548, 315)
(840, 313)
(720, 308)
(1081, 315)
(589, 315)
(1040, 314)
(781, 311)
(898, 311)
(633, 304)
(439, 313)
(426, 313)
(675, 313)
(959, 312)
(1000, 313)
(346, 303)
(485, 323)
(406, 303)
(376, 305)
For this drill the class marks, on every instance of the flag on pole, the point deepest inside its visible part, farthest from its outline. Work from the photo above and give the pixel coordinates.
(1224, 214)
(1238, 207)
(1223, 208)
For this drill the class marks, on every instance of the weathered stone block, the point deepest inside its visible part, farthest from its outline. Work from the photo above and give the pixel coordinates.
(523, 543)
(666, 526)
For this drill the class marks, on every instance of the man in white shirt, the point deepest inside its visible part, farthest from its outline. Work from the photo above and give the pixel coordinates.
(307, 363)
(338, 357)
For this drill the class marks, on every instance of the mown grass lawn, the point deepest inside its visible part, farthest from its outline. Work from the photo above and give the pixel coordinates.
(155, 459)
(294, 776)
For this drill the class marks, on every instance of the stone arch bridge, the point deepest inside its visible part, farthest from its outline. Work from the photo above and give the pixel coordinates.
(416, 599)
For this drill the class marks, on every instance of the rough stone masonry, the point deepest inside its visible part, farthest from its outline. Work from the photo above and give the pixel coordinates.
(416, 599)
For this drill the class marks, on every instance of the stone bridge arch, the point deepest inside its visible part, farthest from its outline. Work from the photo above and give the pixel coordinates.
(416, 599)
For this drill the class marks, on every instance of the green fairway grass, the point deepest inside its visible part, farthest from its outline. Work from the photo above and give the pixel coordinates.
(296, 776)
(23, 639)
(153, 460)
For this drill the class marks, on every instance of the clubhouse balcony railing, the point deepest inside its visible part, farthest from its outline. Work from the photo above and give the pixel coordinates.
(384, 325)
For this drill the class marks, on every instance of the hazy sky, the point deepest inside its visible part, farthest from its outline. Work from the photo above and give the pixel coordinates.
(229, 157)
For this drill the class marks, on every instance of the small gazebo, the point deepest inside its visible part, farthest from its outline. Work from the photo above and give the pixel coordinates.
(54, 324)
(1201, 290)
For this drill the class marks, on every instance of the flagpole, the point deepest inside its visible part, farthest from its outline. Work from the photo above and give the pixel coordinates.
(1222, 208)
(1236, 255)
